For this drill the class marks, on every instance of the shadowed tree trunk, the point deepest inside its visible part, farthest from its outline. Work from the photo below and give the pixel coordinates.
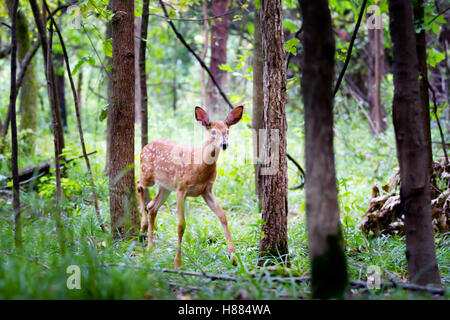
(329, 273)
(12, 104)
(39, 19)
(123, 204)
(411, 143)
(203, 55)
(375, 76)
(143, 81)
(143, 75)
(219, 38)
(79, 86)
(421, 49)
(108, 83)
(28, 94)
(258, 104)
(60, 87)
(275, 207)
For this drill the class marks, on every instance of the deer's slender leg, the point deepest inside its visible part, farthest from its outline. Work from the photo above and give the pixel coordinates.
(152, 209)
(211, 201)
(140, 191)
(181, 195)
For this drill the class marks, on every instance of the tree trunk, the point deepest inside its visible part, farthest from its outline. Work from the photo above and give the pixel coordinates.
(204, 52)
(60, 88)
(143, 81)
(275, 207)
(143, 74)
(12, 105)
(123, 205)
(375, 76)
(329, 273)
(258, 104)
(108, 83)
(137, 78)
(79, 87)
(411, 143)
(40, 24)
(28, 94)
(174, 79)
(219, 37)
(421, 49)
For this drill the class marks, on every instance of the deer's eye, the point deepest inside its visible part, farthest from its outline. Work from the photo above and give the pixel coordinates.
(213, 132)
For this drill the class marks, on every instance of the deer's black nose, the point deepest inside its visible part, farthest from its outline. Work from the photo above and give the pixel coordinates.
(224, 146)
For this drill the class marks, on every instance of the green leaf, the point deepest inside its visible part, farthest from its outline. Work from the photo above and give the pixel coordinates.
(290, 46)
(107, 47)
(104, 113)
(434, 57)
(82, 61)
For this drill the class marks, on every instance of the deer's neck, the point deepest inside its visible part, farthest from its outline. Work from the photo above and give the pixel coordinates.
(210, 153)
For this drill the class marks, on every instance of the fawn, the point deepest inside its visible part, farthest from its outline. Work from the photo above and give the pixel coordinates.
(188, 170)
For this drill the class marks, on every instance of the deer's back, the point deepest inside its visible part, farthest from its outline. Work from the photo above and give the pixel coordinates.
(174, 166)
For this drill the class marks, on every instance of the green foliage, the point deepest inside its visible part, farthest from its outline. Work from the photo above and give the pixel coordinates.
(121, 269)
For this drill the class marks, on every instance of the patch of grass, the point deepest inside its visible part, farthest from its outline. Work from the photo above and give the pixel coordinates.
(38, 271)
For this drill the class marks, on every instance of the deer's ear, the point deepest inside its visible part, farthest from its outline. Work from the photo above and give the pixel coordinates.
(234, 116)
(201, 116)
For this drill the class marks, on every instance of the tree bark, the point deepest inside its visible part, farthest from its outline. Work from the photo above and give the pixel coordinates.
(60, 88)
(40, 24)
(219, 38)
(123, 205)
(411, 143)
(28, 96)
(258, 104)
(143, 75)
(12, 105)
(79, 87)
(329, 273)
(143, 81)
(108, 83)
(421, 49)
(375, 75)
(203, 54)
(275, 207)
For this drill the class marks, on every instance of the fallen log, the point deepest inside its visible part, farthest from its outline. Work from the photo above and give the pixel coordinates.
(33, 172)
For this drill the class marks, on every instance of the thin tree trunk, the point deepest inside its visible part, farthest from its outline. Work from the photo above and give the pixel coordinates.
(12, 106)
(143, 80)
(40, 24)
(123, 205)
(275, 207)
(78, 115)
(137, 78)
(375, 74)
(421, 49)
(219, 38)
(60, 88)
(203, 54)
(79, 87)
(53, 98)
(28, 97)
(258, 104)
(411, 143)
(143, 74)
(174, 79)
(108, 82)
(329, 273)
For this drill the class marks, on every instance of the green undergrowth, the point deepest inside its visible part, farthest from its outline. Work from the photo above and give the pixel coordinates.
(121, 269)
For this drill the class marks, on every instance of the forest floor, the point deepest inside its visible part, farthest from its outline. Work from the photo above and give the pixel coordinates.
(121, 269)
